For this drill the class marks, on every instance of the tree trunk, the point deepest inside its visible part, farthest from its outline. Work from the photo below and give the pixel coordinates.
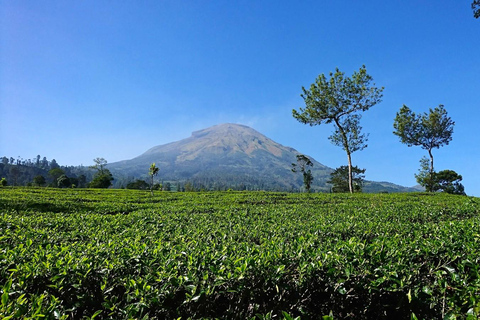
(349, 155)
(431, 171)
(350, 175)
(431, 160)
(151, 186)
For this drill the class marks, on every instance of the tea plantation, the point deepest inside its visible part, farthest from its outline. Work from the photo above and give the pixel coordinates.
(123, 254)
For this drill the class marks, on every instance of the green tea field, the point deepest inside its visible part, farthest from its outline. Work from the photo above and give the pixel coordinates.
(123, 254)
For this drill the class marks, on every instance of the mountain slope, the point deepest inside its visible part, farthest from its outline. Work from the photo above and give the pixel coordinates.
(231, 156)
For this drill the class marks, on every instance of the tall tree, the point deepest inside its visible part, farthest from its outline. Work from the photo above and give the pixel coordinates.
(339, 100)
(153, 171)
(428, 130)
(302, 165)
(99, 165)
(54, 164)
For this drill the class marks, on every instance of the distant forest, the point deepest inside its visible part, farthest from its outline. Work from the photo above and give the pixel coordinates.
(42, 172)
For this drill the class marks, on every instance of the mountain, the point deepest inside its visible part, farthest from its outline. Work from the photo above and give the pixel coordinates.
(227, 156)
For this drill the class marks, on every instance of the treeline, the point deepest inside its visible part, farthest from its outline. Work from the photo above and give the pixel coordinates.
(42, 172)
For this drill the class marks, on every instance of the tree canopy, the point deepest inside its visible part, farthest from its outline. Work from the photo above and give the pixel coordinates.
(339, 100)
(428, 130)
(476, 8)
(153, 171)
(103, 177)
(449, 181)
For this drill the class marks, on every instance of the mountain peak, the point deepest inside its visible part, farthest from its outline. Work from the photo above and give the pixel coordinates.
(224, 127)
(230, 138)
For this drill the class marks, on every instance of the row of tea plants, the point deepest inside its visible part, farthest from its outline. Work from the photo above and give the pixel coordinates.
(123, 254)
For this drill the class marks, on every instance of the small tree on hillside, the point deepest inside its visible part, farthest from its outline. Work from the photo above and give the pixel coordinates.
(153, 171)
(55, 174)
(449, 181)
(339, 100)
(302, 164)
(103, 177)
(39, 180)
(63, 181)
(426, 177)
(339, 179)
(100, 164)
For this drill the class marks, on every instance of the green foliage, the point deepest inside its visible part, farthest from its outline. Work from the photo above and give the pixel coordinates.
(39, 181)
(153, 171)
(446, 180)
(100, 164)
(122, 254)
(24, 172)
(428, 130)
(3, 182)
(449, 181)
(101, 180)
(55, 174)
(339, 179)
(103, 177)
(138, 184)
(338, 100)
(426, 176)
(63, 181)
(167, 186)
(476, 8)
(302, 163)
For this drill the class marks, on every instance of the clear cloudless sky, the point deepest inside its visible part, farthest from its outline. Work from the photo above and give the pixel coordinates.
(86, 79)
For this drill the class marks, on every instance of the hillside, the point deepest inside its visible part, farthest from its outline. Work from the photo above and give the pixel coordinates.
(229, 155)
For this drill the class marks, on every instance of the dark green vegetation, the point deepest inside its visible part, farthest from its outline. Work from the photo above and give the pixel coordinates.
(303, 162)
(476, 8)
(121, 254)
(339, 179)
(42, 172)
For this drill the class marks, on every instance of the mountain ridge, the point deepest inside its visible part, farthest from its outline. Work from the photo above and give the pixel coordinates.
(228, 155)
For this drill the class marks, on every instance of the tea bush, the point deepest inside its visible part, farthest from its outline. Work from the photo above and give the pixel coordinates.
(123, 254)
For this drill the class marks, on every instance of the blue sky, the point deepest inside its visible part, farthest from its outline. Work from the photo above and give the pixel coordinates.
(87, 79)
